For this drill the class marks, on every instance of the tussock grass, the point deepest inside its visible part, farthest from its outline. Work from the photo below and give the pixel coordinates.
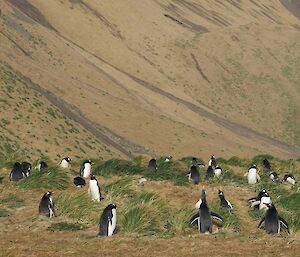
(259, 158)
(291, 205)
(145, 214)
(9, 157)
(181, 219)
(256, 214)
(233, 161)
(229, 177)
(65, 226)
(231, 221)
(12, 201)
(173, 171)
(78, 206)
(121, 187)
(187, 160)
(53, 178)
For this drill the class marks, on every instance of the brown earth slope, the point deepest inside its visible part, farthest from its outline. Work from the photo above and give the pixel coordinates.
(162, 76)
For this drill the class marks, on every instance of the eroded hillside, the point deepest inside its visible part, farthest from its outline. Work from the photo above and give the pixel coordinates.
(163, 76)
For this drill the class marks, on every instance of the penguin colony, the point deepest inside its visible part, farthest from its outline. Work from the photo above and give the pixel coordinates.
(272, 222)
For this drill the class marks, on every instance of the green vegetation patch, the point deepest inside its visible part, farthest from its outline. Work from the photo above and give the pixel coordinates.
(65, 226)
(4, 212)
(52, 178)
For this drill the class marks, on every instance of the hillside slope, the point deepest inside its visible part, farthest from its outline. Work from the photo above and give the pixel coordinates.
(163, 76)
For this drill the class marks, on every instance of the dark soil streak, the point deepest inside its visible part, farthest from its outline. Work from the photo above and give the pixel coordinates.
(16, 44)
(199, 69)
(230, 125)
(31, 11)
(74, 113)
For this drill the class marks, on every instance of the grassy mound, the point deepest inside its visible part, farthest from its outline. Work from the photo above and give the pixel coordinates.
(53, 178)
(12, 201)
(65, 226)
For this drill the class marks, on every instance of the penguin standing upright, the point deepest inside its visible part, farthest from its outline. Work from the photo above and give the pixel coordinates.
(65, 162)
(252, 175)
(223, 202)
(42, 166)
(152, 165)
(209, 173)
(290, 179)
(46, 207)
(26, 167)
(212, 162)
(272, 221)
(108, 221)
(194, 174)
(17, 172)
(94, 189)
(204, 216)
(85, 169)
(79, 182)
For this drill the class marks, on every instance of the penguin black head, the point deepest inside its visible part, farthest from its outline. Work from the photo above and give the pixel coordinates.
(203, 195)
(112, 206)
(68, 159)
(92, 177)
(213, 156)
(48, 194)
(220, 193)
(88, 161)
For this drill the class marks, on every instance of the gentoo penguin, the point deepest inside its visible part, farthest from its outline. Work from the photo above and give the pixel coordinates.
(17, 172)
(79, 182)
(85, 169)
(94, 189)
(152, 165)
(274, 176)
(289, 178)
(194, 161)
(272, 221)
(218, 171)
(194, 174)
(168, 158)
(142, 181)
(252, 175)
(108, 221)
(42, 166)
(46, 207)
(265, 200)
(224, 203)
(26, 167)
(255, 201)
(266, 165)
(212, 162)
(65, 162)
(209, 173)
(204, 216)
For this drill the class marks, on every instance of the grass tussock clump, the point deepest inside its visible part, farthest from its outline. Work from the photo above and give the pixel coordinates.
(53, 178)
(78, 206)
(4, 212)
(229, 177)
(173, 171)
(145, 214)
(121, 187)
(231, 221)
(65, 226)
(233, 161)
(291, 205)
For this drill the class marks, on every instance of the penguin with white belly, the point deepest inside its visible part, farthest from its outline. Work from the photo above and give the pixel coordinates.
(94, 189)
(255, 201)
(265, 200)
(223, 202)
(252, 175)
(85, 169)
(204, 216)
(65, 163)
(290, 179)
(46, 207)
(26, 167)
(108, 221)
(218, 171)
(272, 222)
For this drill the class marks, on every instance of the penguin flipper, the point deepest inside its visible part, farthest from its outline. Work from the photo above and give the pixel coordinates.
(229, 204)
(255, 203)
(81, 170)
(261, 222)
(216, 216)
(284, 223)
(194, 218)
(253, 199)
